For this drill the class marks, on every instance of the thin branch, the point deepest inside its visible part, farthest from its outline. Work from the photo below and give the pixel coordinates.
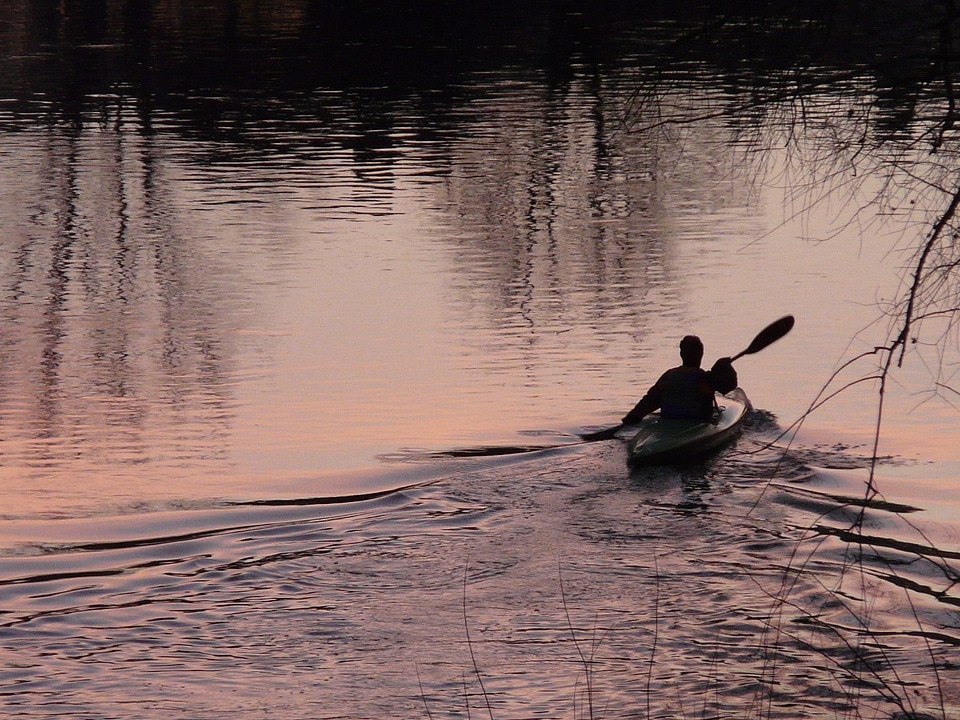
(473, 657)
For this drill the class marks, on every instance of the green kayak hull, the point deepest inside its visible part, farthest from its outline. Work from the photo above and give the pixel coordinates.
(668, 441)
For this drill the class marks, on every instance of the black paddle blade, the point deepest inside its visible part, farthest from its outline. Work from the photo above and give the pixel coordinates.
(769, 335)
(605, 434)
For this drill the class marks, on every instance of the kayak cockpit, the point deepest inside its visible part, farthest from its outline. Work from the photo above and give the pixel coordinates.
(661, 440)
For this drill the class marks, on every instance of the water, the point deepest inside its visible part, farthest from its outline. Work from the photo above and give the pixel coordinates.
(249, 316)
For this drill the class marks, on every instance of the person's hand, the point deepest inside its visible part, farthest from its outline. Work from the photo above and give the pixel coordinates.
(723, 364)
(723, 377)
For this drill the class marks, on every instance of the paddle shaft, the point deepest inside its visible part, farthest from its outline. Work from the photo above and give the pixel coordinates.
(766, 337)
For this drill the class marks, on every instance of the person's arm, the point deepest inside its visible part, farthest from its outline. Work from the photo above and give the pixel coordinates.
(648, 403)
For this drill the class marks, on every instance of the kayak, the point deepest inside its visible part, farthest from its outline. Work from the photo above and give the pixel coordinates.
(659, 440)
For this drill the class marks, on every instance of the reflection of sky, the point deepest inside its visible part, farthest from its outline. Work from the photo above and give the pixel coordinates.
(217, 323)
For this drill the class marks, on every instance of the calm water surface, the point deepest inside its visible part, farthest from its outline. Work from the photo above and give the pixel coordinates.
(235, 364)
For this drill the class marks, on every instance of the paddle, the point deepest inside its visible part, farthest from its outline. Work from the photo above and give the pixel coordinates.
(766, 337)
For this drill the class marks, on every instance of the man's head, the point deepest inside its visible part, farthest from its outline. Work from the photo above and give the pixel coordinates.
(691, 351)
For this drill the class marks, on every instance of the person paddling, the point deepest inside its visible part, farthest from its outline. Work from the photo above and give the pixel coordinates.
(686, 392)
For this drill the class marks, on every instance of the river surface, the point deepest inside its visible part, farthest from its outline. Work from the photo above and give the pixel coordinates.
(259, 359)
